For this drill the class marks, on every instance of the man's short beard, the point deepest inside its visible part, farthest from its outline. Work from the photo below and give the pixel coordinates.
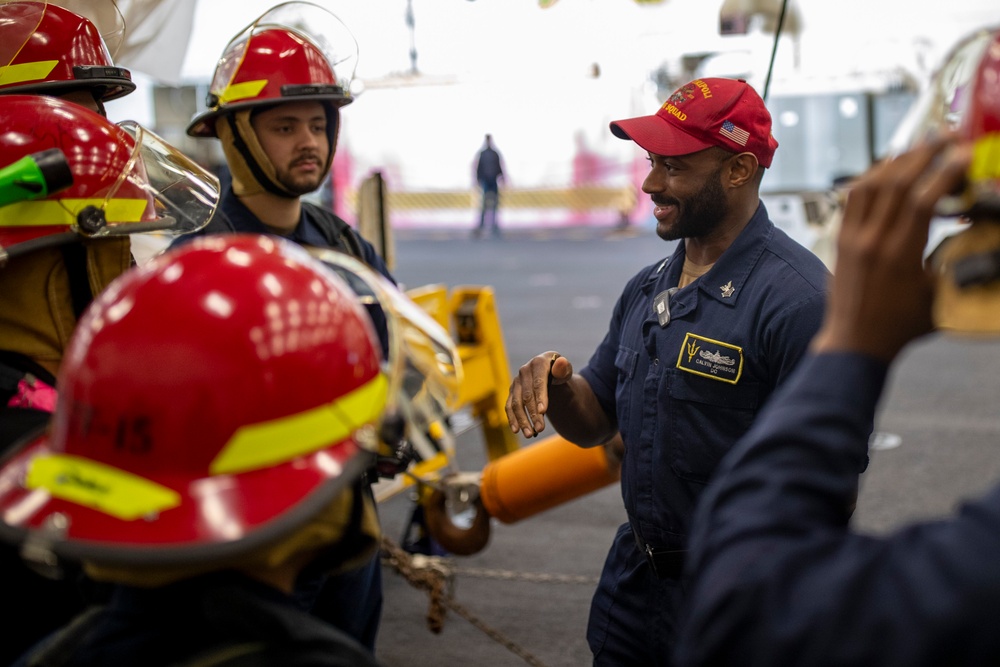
(300, 188)
(703, 212)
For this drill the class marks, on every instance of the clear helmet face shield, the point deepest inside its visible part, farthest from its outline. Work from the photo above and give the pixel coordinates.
(964, 97)
(942, 104)
(422, 365)
(183, 195)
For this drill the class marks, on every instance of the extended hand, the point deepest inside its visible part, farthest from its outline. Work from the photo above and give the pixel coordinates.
(528, 400)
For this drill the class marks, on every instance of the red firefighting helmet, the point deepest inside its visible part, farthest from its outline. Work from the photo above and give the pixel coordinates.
(47, 49)
(211, 402)
(125, 178)
(295, 51)
(964, 96)
(981, 123)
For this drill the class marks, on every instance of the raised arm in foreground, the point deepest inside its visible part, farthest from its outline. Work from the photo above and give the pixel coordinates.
(777, 576)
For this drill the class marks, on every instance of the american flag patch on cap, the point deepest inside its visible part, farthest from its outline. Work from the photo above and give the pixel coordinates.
(730, 131)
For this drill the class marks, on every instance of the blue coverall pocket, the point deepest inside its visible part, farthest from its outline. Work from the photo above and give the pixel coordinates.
(707, 417)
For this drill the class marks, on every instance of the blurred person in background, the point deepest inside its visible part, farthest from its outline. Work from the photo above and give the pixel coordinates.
(489, 173)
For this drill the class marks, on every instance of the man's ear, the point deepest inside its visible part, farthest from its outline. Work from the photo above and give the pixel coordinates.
(742, 169)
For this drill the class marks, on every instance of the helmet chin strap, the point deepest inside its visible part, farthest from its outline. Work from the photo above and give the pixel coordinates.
(252, 170)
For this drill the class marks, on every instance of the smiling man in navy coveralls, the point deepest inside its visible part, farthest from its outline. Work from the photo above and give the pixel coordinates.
(696, 345)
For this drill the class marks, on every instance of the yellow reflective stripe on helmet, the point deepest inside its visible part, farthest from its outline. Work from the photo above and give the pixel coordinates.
(240, 91)
(45, 212)
(35, 71)
(279, 440)
(101, 487)
(986, 158)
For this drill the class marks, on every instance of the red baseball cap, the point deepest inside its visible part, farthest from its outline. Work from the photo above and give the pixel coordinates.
(703, 113)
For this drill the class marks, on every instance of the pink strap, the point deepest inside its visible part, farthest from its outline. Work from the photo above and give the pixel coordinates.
(33, 393)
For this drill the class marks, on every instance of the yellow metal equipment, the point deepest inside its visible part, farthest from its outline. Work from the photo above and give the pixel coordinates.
(517, 482)
(470, 313)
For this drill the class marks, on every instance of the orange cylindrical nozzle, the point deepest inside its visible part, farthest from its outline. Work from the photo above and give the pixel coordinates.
(541, 476)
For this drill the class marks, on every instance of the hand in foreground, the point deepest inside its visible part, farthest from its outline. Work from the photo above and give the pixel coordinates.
(881, 294)
(528, 400)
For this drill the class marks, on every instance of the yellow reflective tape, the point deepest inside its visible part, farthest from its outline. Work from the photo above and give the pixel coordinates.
(101, 487)
(235, 92)
(45, 212)
(986, 158)
(279, 440)
(35, 71)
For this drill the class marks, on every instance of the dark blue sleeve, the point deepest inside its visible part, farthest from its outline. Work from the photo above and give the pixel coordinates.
(600, 372)
(777, 576)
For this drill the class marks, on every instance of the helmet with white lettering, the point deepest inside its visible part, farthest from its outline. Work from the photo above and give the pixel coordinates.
(47, 49)
(154, 461)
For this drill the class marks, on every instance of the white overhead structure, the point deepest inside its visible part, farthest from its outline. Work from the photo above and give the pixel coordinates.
(157, 33)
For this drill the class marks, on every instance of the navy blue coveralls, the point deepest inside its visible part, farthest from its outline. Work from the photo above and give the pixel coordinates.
(778, 578)
(681, 395)
(222, 618)
(307, 232)
(351, 601)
